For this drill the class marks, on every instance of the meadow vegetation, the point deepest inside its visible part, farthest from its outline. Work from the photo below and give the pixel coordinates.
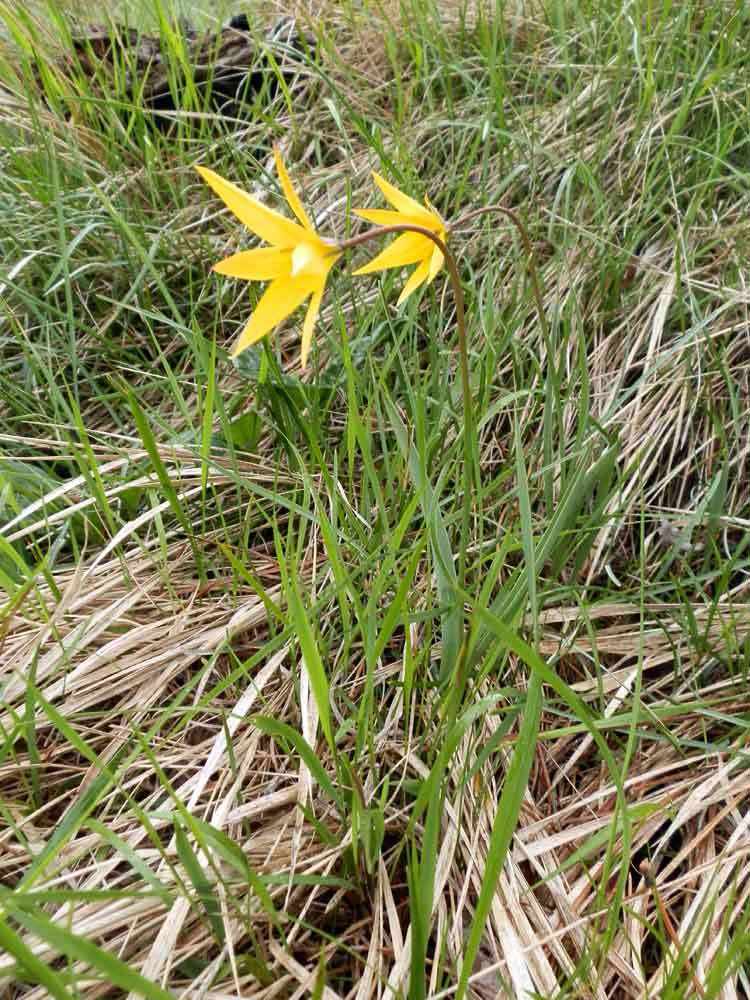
(272, 722)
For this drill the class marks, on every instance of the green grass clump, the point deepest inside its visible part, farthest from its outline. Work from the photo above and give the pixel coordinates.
(255, 738)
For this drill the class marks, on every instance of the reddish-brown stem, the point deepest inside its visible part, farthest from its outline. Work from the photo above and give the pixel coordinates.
(531, 267)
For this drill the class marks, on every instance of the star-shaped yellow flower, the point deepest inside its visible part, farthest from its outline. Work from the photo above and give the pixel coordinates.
(408, 248)
(297, 262)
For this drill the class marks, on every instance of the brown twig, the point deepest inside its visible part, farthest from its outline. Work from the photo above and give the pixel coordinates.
(536, 282)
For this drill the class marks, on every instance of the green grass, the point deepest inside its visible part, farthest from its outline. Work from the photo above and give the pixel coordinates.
(258, 734)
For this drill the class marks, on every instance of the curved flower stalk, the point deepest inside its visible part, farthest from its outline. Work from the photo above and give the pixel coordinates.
(297, 261)
(431, 238)
(423, 240)
(410, 247)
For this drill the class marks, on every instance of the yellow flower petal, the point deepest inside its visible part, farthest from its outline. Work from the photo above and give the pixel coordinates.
(279, 300)
(433, 211)
(297, 262)
(387, 217)
(436, 262)
(402, 202)
(263, 221)
(290, 194)
(257, 265)
(307, 330)
(310, 259)
(408, 248)
(418, 276)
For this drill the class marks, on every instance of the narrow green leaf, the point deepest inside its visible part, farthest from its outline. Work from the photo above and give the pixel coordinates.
(113, 971)
(32, 967)
(280, 730)
(515, 782)
(447, 749)
(505, 820)
(452, 619)
(149, 444)
(313, 662)
(396, 607)
(132, 857)
(425, 886)
(233, 854)
(202, 885)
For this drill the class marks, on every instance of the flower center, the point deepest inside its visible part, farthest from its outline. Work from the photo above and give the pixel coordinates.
(307, 261)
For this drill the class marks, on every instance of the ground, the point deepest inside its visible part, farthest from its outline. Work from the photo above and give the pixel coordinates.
(277, 718)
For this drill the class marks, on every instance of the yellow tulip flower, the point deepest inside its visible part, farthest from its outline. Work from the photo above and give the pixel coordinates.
(296, 263)
(408, 248)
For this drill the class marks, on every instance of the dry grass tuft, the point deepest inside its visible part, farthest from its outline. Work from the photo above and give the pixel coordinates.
(149, 630)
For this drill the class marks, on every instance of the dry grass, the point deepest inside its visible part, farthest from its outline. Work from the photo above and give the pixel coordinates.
(148, 635)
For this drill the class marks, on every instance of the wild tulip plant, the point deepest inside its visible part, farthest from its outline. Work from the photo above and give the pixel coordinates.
(297, 263)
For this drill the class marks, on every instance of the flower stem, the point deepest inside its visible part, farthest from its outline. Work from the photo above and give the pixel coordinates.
(531, 267)
(467, 432)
